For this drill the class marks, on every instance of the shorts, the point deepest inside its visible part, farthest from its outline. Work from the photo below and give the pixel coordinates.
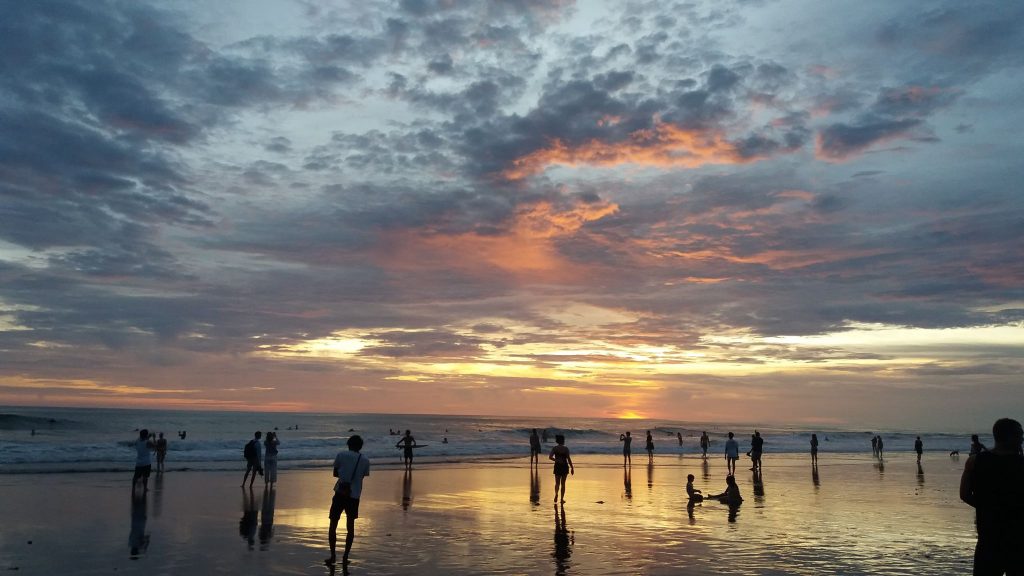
(143, 471)
(407, 453)
(348, 505)
(561, 468)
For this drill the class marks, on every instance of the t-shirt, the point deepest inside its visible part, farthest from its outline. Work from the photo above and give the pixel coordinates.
(626, 441)
(999, 495)
(345, 463)
(732, 448)
(142, 453)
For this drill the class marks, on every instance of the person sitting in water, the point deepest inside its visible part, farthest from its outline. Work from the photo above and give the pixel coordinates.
(694, 494)
(731, 495)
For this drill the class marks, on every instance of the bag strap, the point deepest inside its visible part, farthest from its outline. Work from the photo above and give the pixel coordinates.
(355, 469)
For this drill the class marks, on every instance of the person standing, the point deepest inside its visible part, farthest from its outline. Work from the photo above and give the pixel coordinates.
(993, 484)
(919, 448)
(650, 446)
(976, 446)
(407, 443)
(350, 467)
(880, 446)
(814, 449)
(679, 436)
(874, 445)
(253, 458)
(756, 450)
(627, 451)
(270, 458)
(732, 454)
(161, 452)
(534, 448)
(563, 465)
(143, 461)
(705, 443)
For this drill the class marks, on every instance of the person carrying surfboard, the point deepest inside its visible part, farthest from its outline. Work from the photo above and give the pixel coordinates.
(407, 443)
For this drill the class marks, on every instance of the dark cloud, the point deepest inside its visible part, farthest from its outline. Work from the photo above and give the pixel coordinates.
(840, 141)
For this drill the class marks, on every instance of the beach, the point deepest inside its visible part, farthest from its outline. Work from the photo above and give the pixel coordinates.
(854, 516)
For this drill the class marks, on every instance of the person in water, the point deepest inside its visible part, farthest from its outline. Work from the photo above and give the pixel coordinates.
(993, 484)
(732, 453)
(563, 465)
(627, 452)
(534, 448)
(407, 443)
(731, 495)
(693, 494)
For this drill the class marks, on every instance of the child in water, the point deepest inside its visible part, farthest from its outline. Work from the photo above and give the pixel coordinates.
(694, 494)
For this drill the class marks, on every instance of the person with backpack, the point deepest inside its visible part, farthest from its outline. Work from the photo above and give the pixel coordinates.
(253, 458)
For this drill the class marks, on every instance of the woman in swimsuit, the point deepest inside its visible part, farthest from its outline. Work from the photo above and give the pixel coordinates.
(563, 465)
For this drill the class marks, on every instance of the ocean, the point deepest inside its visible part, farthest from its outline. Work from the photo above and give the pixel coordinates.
(90, 440)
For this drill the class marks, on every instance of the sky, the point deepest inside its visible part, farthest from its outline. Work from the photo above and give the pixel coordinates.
(793, 212)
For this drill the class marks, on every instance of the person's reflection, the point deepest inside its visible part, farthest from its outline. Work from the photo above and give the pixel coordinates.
(920, 475)
(250, 517)
(267, 520)
(563, 542)
(689, 511)
(705, 470)
(880, 466)
(650, 474)
(758, 486)
(535, 485)
(734, 510)
(158, 494)
(138, 540)
(407, 489)
(627, 483)
(814, 476)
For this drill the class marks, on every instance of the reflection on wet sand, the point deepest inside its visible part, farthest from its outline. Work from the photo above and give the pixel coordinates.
(138, 540)
(250, 517)
(650, 474)
(705, 470)
(920, 475)
(814, 476)
(407, 489)
(758, 481)
(535, 485)
(267, 520)
(627, 483)
(563, 542)
(158, 494)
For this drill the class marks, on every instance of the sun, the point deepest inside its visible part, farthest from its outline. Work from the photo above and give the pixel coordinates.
(630, 415)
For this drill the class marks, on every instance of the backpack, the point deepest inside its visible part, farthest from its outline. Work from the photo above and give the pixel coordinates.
(250, 451)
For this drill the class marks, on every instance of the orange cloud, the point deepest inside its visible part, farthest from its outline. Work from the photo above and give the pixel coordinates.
(665, 145)
(526, 249)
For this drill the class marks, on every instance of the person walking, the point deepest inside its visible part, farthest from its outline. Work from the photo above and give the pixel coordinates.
(732, 454)
(705, 443)
(919, 448)
(534, 448)
(253, 458)
(350, 467)
(563, 465)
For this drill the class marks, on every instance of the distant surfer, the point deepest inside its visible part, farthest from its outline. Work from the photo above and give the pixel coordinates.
(407, 443)
(534, 448)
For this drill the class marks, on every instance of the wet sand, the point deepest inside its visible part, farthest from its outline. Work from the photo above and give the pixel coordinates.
(852, 517)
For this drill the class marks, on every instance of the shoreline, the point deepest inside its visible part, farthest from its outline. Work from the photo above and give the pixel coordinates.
(849, 516)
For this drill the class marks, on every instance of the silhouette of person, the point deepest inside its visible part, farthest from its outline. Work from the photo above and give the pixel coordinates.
(705, 443)
(976, 446)
(814, 449)
(350, 467)
(695, 496)
(731, 497)
(627, 451)
(650, 446)
(874, 445)
(534, 448)
(407, 443)
(563, 465)
(880, 446)
(161, 452)
(732, 454)
(253, 458)
(993, 483)
(143, 461)
(679, 436)
(138, 540)
(270, 458)
(919, 448)
(267, 516)
(563, 542)
(250, 517)
(756, 450)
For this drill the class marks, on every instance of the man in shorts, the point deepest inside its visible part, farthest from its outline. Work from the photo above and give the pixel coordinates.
(349, 468)
(143, 461)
